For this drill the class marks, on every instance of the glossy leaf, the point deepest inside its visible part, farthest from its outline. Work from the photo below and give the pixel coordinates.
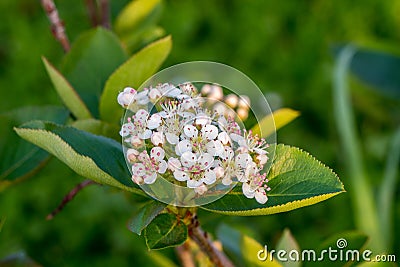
(89, 63)
(68, 95)
(144, 215)
(95, 157)
(132, 73)
(137, 15)
(376, 68)
(19, 158)
(288, 243)
(244, 249)
(348, 242)
(99, 128)
(166, 230)
(296, 179)
(280, 117)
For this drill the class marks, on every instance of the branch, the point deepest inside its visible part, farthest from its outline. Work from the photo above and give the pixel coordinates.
(105, 13)
(57, 26)
(69, 197)
(92, 12)
(205, 244)
(185, 255)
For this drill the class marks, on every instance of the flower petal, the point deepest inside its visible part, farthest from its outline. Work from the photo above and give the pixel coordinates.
(201, 189)
(242, 160)
(209, 131)
(157, 138)
(247, 190)
(174, 164)
(162, 167)
(182, 147)
(141, 115)
(150, 178)
(172, 138)
(205, 160)
(157, 153)
(154, 121)
(209, 177)
(215, 148)
(138, 169)
(192, 183)
(261, 196)
(188, 159)
(190, 131)
(180, 175)
(224, 138)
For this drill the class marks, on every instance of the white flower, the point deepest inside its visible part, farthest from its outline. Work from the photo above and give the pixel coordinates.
(154, 121)
(147, 168)
(154, 94)
(255, 185)
(136, 128)
(195, 170)
(252, 143)
(130, 95)
(168, 90)
(201, 189)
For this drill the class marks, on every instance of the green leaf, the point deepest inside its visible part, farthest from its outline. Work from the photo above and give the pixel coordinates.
(376, 68)
(132, 73)
(19, 158)
(242, 248)
(280, 117)
(17, 260)
(347, 242)
(137, 15)
(288, 243)
(67, 94)
(166, 230)
(144, 215)
(296, 179)
(99, 128)
(89, 63)
(2, 222)
(95, 157)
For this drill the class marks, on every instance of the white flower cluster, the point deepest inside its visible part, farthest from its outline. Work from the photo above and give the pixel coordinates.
(171, 133)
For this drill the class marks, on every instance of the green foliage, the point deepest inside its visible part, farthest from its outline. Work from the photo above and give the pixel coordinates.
(68, 94)
(92, 156)
(89, 63)
(164, 231)
(296, 180)
(132, 73)
(144, 215)
(19, 158)
(288, 243)
(280, 118)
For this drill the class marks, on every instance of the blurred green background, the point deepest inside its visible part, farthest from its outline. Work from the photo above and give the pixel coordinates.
(284, 46)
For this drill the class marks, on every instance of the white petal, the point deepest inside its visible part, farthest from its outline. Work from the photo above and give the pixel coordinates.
(209, 177)
(261, 196)
(215, 148)
(262, 158)
(205, 160)
(210, 131)
(136, 141)
(154, 121)
(260, 151)
(141, 115)
(182, 147)
(162, 166)
(145, 135)
(191, 183)
(251, 169)
(137, 179)
(188, 159)
(201, 189)
(157, 153)
(172, 138)
(174, 164)
(242, 160)
(138, 169)
(131, 154)
(126, 129)
(227, 154)
(186, 115)
(219, 172)
(154, 94)
(226, 180)
(150, 178)
(236, 137)
(181, 175)
(224, 138)
(173, 92)
(190, 131)
(247, 190)
(202, 119)
(157, 138)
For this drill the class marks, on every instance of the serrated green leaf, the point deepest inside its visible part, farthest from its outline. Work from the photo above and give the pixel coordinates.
(19, 158)
(296, 179)
(242, 248)
(132, 73)
(137, 15)
(67, 94)
(288, 243)
(348, 242)
(166, 230)
(91, 60)
(95, 157)
(280, 117)
(99, 128)
(144, 215)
